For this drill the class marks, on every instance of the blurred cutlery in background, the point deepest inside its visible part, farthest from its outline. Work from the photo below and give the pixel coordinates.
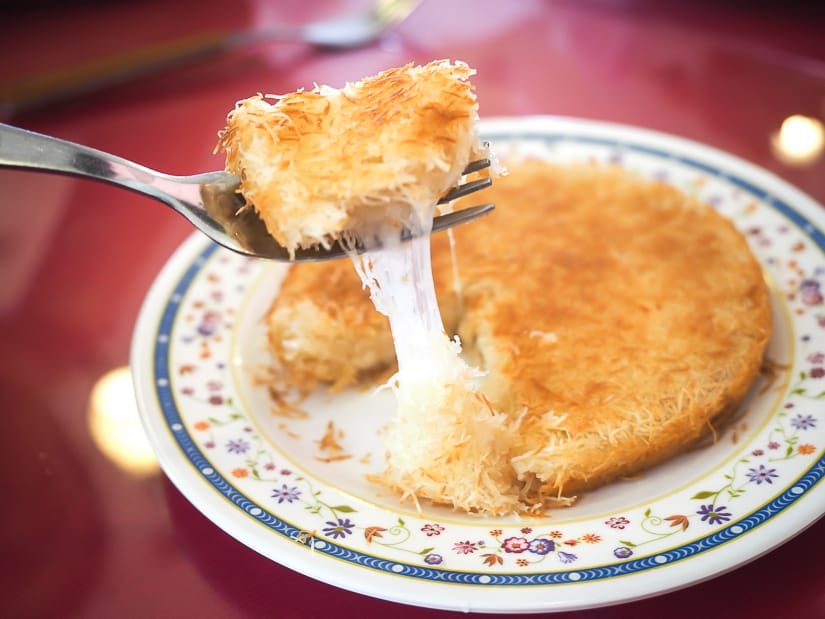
(65, 84)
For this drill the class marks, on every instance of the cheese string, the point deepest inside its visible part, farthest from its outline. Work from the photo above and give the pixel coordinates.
(400, 280)
(445, 441)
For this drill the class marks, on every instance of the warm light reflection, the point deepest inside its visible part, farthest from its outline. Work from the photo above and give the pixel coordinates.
(115, 425)
(799, 141)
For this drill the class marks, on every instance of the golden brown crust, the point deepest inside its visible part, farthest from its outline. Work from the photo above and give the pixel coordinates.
(623, 316)
(316, 164)
(626, 326)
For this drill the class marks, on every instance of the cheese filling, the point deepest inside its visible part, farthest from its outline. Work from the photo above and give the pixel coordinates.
(445, 442)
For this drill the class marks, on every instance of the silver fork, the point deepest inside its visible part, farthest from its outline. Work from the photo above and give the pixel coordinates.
(210, 201)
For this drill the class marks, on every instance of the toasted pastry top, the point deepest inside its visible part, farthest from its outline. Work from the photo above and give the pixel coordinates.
(617, 320)
(317, 165)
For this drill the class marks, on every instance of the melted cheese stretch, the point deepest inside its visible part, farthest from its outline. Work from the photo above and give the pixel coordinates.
(445, 442)
(399, 278)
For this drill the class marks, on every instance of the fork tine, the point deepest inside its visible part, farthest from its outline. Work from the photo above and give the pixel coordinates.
(256, 241)
(475, 166)
(442, 222)
(467, 188)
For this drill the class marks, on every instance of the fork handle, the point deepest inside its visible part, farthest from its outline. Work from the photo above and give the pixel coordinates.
(23, 149)
(27, 150)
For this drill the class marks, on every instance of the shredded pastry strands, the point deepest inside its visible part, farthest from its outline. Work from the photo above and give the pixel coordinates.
(445, 439)
(609, 343)
(370, 159)
(318, 163)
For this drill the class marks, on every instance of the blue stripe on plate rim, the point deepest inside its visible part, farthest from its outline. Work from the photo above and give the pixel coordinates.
(731, 531)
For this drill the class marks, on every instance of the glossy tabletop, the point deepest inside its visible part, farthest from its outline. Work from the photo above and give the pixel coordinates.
(90, 532)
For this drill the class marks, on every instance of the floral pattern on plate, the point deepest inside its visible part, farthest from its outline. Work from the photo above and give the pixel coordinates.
(210, 345)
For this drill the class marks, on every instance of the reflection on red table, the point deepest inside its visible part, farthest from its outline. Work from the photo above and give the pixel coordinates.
(88, 533)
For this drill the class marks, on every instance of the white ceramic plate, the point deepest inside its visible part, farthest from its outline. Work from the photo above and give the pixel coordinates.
(200, 344)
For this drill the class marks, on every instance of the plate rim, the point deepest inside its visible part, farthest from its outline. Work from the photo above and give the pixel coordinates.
(201, 493)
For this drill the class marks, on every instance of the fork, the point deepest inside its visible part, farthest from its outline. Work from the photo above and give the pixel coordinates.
(210, 201)
(345, 32)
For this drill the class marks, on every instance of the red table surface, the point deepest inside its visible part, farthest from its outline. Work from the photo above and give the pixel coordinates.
(83, 538)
